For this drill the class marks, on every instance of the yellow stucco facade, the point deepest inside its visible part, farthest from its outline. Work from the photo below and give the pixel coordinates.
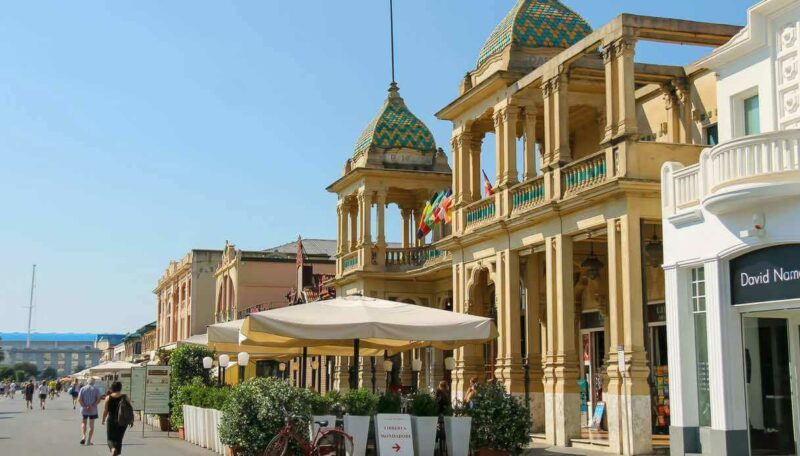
(565, 256)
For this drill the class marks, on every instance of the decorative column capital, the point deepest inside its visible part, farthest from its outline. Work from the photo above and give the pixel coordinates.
(607, 52)
(668, 94)
(682, 89)
(625, 46)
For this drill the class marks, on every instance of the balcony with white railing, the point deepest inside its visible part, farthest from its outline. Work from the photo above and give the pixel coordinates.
(735, 174)
(409, 258)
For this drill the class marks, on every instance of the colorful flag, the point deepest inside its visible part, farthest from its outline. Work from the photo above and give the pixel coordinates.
(435, 201)
(423, 227)
(440, 213)
(487, 186)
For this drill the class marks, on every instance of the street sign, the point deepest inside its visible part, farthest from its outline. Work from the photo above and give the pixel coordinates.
(597, 418)
(156, 390)
(125, 379)
(138, 375)
(393, 432)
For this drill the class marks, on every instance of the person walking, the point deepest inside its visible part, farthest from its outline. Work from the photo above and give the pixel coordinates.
(59, 387)
(73, 391)
(29, 395)
(115, 431)
(43, 390)
(88, 398)
(12, 389)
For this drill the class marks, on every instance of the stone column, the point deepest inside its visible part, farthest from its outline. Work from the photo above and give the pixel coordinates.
(549, 123)
(380, 203)
(508, 175)
(533, 309)
(341, 214)
(673, 113)
(561, 395)
(529, 164)
(417, 218)
(499, 144)
(469, 358)
(684, 96)
(462, 168)
(628, 398)
(353, 226)
(458, 159)
(365, 208)
(561, 153)
(405, 216)
(509, 369)
(611, 89)
(475, 167)
(624, 49)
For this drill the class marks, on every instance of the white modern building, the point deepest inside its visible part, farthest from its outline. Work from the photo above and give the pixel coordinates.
(732, 252)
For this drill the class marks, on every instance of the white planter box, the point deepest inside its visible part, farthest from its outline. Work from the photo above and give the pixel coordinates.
(457, 430)
(424, 431)
(358, 428)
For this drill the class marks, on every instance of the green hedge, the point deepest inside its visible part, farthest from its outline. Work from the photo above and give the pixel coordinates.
(198, 395)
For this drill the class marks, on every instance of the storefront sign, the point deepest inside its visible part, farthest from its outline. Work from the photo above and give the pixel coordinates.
(597, 418)
(136, 396)
(125, 379)
(393, 432)
(156, 390)
(769, 274)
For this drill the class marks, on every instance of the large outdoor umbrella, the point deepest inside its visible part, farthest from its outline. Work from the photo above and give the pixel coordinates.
(369, 322)
(226, 338)
(111, 367)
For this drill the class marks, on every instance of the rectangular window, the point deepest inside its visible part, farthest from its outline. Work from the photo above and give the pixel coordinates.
(712, 135)
(698, 299)
(752, 121)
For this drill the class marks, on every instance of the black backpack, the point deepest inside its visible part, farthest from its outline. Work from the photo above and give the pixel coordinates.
(124, 412)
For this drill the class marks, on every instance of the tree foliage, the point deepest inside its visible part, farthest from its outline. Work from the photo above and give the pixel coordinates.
(500, 421)
(28, 369)
(49, 374)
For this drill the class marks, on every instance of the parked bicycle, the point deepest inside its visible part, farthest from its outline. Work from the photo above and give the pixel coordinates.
(326, 442)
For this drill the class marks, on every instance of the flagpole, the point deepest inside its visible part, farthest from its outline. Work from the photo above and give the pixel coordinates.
(391, 32)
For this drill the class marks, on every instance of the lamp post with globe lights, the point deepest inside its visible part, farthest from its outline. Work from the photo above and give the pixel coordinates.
(223, 361)
(243, 359)
(387, 367)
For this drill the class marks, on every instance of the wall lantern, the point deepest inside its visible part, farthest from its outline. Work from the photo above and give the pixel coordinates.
(592, 265)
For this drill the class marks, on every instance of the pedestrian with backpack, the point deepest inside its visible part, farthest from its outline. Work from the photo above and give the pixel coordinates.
(119, 413)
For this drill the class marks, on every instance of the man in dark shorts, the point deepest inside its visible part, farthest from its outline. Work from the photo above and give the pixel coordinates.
(88, 398)
(29, 395)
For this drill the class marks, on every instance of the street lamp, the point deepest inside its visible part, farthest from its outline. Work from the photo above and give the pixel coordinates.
(387, 367)
(449, 363)
(243, 358)
(282, 368)
(416, 366)
(223, 362)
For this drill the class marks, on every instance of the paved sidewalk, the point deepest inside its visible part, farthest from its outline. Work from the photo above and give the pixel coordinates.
(56, 431)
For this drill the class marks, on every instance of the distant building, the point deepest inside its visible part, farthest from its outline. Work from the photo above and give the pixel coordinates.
(133, 344)
(65, 352)
(252, 281)
(185, 296)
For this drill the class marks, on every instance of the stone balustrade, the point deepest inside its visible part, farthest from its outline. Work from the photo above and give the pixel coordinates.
(528, 194)
(479, 212)
(584, 173)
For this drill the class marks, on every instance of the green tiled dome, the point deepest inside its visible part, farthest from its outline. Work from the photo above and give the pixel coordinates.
(395, 127)
(536, 24)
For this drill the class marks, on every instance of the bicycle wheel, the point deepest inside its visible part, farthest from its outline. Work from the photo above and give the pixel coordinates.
(333, 442)
(278, 446)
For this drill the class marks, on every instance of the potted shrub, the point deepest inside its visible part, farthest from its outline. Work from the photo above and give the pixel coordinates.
(389, 403)
(500, 422)
(321, 410)
(457, 427)
(424, 420)
(254, 413)
(359, 406)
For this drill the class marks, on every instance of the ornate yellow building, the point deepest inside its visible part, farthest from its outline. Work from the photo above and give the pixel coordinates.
(566, 254)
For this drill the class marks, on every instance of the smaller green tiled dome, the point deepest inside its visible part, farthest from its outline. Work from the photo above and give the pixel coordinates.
(395, 127)
(536, 24)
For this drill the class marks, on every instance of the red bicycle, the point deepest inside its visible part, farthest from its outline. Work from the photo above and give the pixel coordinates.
(326, 442)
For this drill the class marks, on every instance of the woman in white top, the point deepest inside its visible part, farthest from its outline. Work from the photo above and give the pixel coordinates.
(42, 390)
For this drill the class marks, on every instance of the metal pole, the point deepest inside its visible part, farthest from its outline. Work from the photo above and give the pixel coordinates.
(391, 29)
(354, 365)
(372, 365)
(303, 368)
(30, 308)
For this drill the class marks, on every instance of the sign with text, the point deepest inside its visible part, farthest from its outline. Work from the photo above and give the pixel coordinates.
(138, 376)
(156, 390)
(768, 274)
(597, 418)
(125, 379)
(393, 433)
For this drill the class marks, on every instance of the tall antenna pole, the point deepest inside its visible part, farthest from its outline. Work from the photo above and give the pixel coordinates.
(391, 31)
(30, 308)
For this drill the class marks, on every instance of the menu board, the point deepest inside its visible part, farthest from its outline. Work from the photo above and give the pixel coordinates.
(136, 396)
(393, 433)
(125, 379)
(156, 390)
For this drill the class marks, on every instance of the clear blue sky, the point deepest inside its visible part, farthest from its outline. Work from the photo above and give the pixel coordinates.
(131, 132)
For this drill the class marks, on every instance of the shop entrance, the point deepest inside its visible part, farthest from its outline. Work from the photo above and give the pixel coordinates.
(771, 350)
